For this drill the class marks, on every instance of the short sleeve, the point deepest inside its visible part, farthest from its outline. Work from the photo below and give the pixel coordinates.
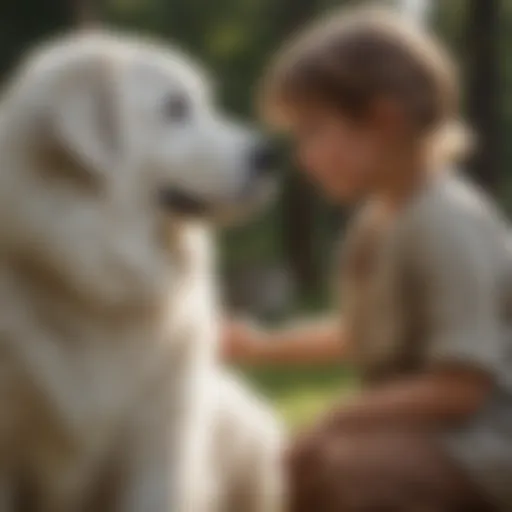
(456, 280)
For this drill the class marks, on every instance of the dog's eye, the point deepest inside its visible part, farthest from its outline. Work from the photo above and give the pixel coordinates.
(177, 108)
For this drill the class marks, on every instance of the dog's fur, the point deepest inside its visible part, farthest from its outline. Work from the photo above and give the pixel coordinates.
(111, 395)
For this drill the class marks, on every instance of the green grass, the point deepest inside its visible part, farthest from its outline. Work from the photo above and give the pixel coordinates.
(300, 394)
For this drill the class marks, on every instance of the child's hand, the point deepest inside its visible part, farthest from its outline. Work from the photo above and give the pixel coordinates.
(240, 340)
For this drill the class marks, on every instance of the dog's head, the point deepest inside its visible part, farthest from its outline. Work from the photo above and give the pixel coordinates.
(130, 111)
(111, 138)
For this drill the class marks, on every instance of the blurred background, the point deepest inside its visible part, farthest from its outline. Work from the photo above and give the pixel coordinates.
(279, 265)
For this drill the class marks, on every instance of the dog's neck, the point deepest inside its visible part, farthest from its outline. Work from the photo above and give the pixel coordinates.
(62, 337)
(90, 251)
(39, 301)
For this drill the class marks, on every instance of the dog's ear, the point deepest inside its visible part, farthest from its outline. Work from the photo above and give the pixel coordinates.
(86, 118)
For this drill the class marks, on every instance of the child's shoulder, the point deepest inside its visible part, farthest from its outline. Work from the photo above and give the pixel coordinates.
(453, 205)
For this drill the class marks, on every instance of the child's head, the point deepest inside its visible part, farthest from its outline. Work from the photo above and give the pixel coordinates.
(360, 93)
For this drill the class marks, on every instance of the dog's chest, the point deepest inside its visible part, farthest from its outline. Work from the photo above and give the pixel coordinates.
(80, 382)
(84, 393)
(84, 381)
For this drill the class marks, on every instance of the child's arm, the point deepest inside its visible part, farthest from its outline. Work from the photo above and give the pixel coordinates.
(442, 397)
(305, 342)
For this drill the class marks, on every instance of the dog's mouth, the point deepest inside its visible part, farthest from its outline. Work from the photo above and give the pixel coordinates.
(184, 203)
(225, 212)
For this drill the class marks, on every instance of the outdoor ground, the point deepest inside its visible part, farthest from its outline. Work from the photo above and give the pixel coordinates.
(301, 393)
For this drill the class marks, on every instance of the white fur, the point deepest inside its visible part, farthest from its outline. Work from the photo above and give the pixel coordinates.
(247, 454)
(108, 372)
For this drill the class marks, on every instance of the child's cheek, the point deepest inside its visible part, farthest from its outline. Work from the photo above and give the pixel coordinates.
(316, 160)
(358, 166)
(348, 171)
(338, 162)
(329, 167)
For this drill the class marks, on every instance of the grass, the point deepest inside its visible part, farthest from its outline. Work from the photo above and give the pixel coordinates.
(300, 394)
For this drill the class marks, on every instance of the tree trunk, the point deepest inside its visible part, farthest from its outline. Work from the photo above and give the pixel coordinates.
(25, 23)
(86, 12)
(299, 200)
(483, 88)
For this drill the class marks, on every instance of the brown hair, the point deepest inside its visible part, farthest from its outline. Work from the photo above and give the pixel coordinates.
(348, 60)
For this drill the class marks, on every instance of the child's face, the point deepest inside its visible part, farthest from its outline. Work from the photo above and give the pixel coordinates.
(346, 159)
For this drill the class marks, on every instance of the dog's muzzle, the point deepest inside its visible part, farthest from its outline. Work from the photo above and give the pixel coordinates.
(260, 163)
(264, 160)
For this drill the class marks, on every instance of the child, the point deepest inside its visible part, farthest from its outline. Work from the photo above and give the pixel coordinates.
(372, 104)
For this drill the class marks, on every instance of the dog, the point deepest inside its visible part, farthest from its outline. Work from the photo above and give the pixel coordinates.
(115, 163)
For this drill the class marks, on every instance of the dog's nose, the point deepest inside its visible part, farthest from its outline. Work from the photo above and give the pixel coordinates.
(264, 158)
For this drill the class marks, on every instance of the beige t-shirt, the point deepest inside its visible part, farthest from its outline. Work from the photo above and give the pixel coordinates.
(436, 287)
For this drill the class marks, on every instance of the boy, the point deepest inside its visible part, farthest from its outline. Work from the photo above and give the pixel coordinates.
(372, 104)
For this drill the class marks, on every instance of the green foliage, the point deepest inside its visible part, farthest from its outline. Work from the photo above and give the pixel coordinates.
(24, 23)
(301, 393)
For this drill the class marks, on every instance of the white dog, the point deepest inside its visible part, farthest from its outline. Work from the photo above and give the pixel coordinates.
(112, 159)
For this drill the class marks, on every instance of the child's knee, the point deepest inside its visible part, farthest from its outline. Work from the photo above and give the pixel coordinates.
(372, 471)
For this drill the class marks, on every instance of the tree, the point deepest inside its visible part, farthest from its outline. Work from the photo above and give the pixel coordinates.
(24, 23)
(483, 89)
(300, 204)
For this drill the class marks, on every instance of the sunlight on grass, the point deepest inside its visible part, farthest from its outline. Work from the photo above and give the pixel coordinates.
(300, 394)
(301, 408)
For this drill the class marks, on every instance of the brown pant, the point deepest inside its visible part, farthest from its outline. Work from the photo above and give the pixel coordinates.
(378, 472)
